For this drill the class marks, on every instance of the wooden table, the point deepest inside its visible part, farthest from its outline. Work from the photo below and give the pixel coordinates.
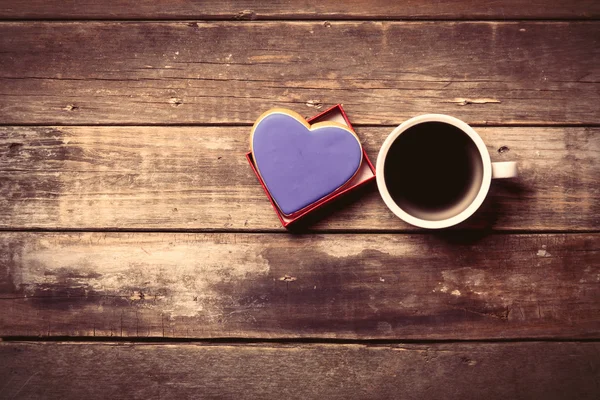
(140, 258)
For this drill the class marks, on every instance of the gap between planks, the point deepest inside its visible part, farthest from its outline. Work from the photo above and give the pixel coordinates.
(320, 18)
(480, 232)
(283, 341)
(248, 125)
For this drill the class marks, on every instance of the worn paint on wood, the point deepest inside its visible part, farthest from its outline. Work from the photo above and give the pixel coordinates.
(300, 371)
(247, 10)
(451, 285)
(198, 178)
(226, 72)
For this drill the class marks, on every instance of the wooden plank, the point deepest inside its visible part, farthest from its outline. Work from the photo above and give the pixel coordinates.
(300, 371)
(198, 178)
(226, 72)
(281, 9)
(446, 286)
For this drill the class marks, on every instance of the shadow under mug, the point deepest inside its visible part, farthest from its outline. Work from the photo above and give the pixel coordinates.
(434, 171)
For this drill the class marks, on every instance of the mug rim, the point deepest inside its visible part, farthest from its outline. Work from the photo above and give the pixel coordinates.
(471, 208)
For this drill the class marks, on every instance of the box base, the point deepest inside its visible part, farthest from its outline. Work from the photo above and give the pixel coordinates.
(365, 174)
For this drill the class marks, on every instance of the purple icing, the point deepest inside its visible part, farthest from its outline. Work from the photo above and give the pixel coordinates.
(300, 166)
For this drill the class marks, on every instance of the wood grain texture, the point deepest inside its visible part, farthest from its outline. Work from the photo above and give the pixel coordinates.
(309, 9)
(446, 286)
(198, 178)
(408, 371)
(227, 72)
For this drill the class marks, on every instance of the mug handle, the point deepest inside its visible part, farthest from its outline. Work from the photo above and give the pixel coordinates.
(504, 169)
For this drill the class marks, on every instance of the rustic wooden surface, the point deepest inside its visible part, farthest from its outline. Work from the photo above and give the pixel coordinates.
(308, 9)
(128, 212)
(300, 371)
(190, 178)
(446, 286)
(228, 72)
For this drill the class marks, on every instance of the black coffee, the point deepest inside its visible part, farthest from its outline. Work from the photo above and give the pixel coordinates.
(433, 171)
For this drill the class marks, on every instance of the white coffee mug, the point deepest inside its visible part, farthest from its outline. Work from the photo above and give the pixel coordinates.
(438, 171)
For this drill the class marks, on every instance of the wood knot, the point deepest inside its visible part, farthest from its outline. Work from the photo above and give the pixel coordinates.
(287, 278)
(137, 296)
(465, 102)
(503, 149)
(14, 148)
(245, 15)
(71, 107)
(315, 104)
(468, 361)
(175, 102)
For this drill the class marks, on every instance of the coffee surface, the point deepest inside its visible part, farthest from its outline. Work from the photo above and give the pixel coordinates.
(433, 171)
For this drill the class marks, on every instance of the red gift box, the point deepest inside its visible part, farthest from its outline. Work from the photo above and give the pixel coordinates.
(365, 174)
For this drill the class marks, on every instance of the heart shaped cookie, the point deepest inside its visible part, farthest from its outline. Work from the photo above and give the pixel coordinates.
(302, 163)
